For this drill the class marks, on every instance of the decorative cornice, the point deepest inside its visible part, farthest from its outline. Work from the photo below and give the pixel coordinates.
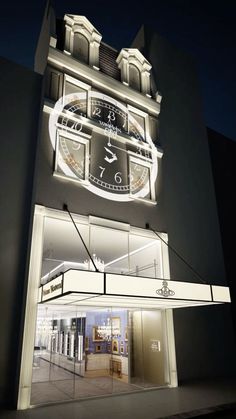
(67, 63)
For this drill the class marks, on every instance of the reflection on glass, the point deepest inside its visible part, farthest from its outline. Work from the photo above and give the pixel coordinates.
(114, 251)
(137, 126)
(111, 247)
(144, 256)
(79, 105)
(71, 155)
(140, 177)
(93, 351)
(63, 248)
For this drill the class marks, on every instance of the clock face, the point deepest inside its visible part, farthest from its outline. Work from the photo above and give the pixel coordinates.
(109, 152)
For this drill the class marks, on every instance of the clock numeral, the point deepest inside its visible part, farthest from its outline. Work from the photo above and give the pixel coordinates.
(97, 111)
(102, 171)
(76, 146)
(111, 116)
(77, 126)
(117, 177)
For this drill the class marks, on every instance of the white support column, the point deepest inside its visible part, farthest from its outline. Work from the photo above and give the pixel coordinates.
(145, 82)
(56, 343)
(171, 348)
(125, 72)
(60, 343)
(165, 256)
(72, 40)
(72, 344)
(49, 346)
(67, 46)
(94, 54)
(80, 347)
(31, 310)
(65, 343)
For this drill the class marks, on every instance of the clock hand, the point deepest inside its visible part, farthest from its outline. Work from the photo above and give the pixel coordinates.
(113, 156)
(126, 151)
(118, 148)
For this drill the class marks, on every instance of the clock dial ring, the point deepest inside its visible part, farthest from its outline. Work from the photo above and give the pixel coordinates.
(130, 189)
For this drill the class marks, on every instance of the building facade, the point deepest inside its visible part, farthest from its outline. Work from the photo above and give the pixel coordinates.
(125, 248)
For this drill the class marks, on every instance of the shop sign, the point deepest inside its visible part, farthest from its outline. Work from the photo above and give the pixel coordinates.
(155, 345)
(52, 289)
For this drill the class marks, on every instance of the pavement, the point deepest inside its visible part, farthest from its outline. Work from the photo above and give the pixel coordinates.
(199, 399)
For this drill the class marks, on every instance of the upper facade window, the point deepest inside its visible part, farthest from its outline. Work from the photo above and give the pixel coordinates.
(134, 77)
(82, 40)
(81, 47)
(135, 70)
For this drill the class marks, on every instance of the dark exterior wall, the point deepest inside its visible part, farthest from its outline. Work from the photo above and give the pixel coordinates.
(21, 97)
(223, 158)
(48, 29)
(187, 184)
(205, 342)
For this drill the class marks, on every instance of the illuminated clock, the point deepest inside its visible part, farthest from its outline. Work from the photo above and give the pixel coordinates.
(108, 151)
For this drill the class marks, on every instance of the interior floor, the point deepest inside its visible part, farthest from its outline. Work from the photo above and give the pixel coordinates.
(65, 385)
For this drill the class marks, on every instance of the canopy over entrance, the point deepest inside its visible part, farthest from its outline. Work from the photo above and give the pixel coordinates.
(76, 287)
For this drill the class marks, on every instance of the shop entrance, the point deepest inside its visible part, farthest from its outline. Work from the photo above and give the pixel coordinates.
(90, 351)
(103, 303)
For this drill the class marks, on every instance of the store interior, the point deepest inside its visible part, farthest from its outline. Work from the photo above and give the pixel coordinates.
(90, 351)
(85, 351)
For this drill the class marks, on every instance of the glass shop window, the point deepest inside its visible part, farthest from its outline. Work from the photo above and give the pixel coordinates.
(137, 126)
(81, 47)
(144, 256)
(71, 157)
(112, 250)
(109, 249)
(63, 248)
(134, 77)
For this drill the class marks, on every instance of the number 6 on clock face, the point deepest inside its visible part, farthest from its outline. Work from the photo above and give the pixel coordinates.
(117, 177)
(122, 166)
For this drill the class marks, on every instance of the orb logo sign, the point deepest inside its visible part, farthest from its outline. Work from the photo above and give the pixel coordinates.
(165, 290)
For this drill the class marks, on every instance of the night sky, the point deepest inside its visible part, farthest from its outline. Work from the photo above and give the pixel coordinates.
(204, 29)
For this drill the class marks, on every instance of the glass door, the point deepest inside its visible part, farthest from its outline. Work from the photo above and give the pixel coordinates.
(82, 352)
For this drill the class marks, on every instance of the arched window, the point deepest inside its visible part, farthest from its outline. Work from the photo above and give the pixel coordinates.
(134, 77)
(82, 40)
(81, 47)
(134, 69)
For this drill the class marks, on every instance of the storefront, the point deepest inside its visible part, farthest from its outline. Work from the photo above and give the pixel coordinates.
(116, 247)
(107, 331)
